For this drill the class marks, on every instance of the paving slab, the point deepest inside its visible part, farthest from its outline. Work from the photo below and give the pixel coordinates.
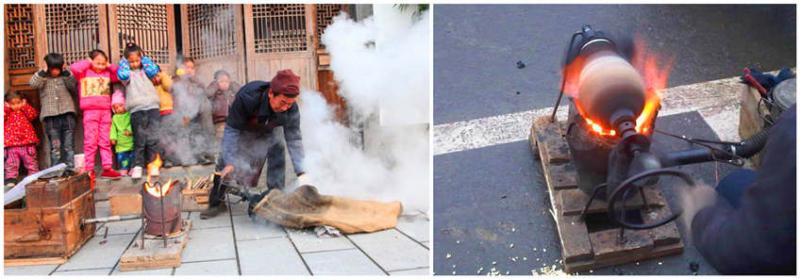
(208, 245)
(392, 250)
(222, 220)
(83, 272)
(417, 227)
(247, 229)
(96, 255)
(102, 209)
(273, 256)
(237, 209)
(410, 272)
(162, 271)
(342, 262)
(308, 241)
(224, 267)
(30, 270)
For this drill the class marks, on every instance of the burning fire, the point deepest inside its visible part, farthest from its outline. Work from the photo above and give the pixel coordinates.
(153, 166)
(156, 191)
(654, 69)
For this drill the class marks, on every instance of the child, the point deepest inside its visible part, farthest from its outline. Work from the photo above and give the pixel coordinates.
(95, 77)
(163, 83)
(122, 135)
(142, 101)
(221, 92)
(19, 137)
(56, 88)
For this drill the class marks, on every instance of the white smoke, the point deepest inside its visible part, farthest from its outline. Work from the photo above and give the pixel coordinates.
(382, 67)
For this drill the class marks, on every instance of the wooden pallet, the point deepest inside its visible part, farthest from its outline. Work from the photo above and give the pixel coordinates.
(154, 255)
(586, 246)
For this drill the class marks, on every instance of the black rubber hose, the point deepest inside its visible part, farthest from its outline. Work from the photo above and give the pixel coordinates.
(629, 184)
(744, 149)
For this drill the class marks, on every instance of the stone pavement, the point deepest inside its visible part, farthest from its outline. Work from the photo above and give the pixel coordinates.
(233, 244)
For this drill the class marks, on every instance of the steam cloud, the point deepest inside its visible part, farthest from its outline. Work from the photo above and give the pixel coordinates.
(382, 68)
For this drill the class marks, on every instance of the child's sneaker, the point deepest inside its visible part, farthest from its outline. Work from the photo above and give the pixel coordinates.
(123, 172)
(110, 173)
(136, 173)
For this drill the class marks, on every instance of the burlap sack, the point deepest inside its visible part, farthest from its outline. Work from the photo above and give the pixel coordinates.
(305, 207)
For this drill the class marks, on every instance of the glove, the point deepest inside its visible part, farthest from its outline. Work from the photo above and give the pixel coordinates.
(150, 67)
(124, 71)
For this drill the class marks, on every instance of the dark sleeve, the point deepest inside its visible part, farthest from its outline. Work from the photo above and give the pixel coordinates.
(294, 140)
(760, 235)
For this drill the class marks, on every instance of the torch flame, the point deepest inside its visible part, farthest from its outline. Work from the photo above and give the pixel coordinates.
(655, 71)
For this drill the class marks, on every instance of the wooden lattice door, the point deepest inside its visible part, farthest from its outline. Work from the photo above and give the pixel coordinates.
(281, 36)
(214, 37)
(151, 26)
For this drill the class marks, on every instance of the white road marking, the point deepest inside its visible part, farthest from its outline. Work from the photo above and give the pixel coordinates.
(717, 101)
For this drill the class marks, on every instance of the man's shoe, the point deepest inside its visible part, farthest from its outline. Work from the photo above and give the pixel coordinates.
(136, 173)
(110, 173)
(212, 212)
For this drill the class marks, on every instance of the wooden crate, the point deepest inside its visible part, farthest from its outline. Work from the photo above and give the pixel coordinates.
(582, 247)
(56, 192)
(38, 235)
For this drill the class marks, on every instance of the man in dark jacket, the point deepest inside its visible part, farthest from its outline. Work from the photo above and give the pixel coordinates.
(250, 138)
(751, 228)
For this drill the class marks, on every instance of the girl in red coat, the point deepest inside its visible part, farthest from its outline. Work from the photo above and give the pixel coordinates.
(19, 137)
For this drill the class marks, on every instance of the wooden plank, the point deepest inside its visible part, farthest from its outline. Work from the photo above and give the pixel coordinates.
(125, 201)
(580, 249)
(34, 261)
(154, 255)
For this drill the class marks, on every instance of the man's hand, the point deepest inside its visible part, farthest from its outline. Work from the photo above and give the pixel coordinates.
(227, 170)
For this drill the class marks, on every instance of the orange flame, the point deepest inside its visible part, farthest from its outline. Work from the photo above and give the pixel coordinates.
(158, 191)
(154, 165)
(655, 72)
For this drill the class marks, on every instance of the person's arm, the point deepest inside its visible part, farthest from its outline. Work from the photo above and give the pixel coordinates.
(29, 112)
(753, 238)
(113, 132)
(212, 90)
(70, 82)
(230, 145)
(166, 81)
(38, 79)
(79, 68)
(294, 141)
(123, 72)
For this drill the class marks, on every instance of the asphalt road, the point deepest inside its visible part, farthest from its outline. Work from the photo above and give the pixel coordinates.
(476, 48)
(489, 198)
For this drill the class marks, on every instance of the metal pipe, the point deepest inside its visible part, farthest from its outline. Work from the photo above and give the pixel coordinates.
(163, 220)
(115, 218)
(744, 149)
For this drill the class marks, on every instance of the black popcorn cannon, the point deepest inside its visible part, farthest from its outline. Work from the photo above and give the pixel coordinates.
(601, 170)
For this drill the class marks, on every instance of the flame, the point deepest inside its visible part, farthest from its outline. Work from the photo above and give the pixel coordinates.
(654, 69)
(158, 191)
(154, 165)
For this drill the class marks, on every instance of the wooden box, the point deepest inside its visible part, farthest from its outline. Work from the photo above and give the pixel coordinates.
(47, 235)
(56, 192)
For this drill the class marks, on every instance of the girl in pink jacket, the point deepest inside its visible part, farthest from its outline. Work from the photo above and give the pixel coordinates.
(95, 77)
